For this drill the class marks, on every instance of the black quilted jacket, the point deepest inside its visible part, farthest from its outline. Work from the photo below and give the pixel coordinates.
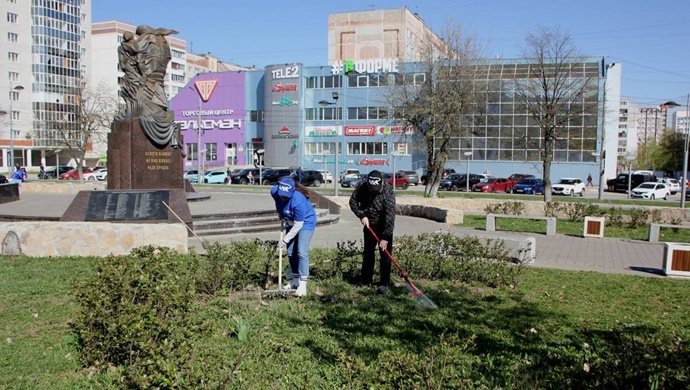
(379, 208)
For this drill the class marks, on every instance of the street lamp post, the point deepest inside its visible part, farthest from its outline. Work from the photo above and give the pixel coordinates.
(467, 178)
(335, 97)
(685, 153)
(630, 160)
(199, 171)
(12, 88)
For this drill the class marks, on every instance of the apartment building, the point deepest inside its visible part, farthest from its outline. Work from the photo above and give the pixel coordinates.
(45, 59)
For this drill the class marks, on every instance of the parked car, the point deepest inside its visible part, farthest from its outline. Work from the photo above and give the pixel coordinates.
(93, 175)
(445, 174)
(73, 174)
(312, 178)
(102, 174)
(516, 177)
(50, 173)
(569, 186)
(651, 190)
(216, 176)
(401, 180)
(412, 177)
(327, 176)
(493, 184)
(188, 173)
(530, 185)
(483, 177)
(620, 183)
(353, 181)
(241, 177)
(672, 184)
(458, 182)
(350, 172)
(272, 176)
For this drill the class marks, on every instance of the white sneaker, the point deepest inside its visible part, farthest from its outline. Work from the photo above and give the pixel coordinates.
(301, 289)
(293, 285)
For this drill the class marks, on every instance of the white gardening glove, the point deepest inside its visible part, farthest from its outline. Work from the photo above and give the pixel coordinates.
(281, 245)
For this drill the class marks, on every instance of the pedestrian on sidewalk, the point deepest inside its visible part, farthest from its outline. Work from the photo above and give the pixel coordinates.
(589, 181)
(373, 202)
(295, 209)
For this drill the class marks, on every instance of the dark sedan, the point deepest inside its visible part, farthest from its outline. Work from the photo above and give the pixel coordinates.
(530, 185)
(242, 176)
(312, 178)
(50, 173)
(458, 182)
(353, 181)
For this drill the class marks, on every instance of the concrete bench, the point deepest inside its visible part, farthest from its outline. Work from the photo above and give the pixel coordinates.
(550, 222)
(654, 229)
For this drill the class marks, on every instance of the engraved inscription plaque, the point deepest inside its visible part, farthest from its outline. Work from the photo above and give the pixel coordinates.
(127, 205)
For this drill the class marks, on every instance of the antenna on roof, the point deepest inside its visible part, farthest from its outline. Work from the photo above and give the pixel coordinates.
(372, 6)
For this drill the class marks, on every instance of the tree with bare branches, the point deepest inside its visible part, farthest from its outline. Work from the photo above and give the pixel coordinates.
(557, 89)
(436, 95)
(89, 122)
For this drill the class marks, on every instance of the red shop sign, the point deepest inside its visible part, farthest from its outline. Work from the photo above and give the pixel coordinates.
(360, 130)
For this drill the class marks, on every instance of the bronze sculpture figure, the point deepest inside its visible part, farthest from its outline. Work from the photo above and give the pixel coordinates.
(144, 61)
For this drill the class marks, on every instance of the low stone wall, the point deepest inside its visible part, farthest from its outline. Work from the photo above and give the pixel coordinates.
(438, 214)
(42, 239)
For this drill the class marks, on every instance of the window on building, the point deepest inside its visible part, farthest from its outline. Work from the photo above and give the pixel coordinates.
(320, 82)
(16, 115)
(13, 76)
(400, 148)
(13, 57)
(12, 37)
(256, 116)
(192, 154)
(321, 148)
(323, 114)
(211, 152)
(373, 148)
(14, 96)
(12, 18)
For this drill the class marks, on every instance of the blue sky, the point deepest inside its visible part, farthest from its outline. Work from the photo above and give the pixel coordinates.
(650, 40)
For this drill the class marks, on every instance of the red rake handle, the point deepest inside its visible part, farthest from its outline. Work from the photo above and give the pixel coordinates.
(415, 291)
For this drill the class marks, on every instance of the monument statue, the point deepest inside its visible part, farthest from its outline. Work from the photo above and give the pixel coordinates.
(144, 61)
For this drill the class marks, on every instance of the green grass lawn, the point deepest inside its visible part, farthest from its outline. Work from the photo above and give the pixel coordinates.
(552, 323)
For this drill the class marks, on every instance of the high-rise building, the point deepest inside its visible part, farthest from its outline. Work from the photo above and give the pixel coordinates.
(44, 63)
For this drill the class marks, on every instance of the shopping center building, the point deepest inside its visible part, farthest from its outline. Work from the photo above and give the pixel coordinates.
(295, 115)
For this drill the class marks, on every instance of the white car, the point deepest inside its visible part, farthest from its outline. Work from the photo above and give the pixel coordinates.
(569, 186)
(102, 174)
(93, 175)
(483, 177)
(672, 184)
(651, 190)
(326, 175)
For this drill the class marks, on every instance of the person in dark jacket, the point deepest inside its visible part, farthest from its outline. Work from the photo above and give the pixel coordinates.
(373, 202)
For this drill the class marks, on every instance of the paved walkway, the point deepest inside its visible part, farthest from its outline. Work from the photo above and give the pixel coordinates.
(560, 251)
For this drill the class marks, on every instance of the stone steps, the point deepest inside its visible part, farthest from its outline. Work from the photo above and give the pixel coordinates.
(249, 222)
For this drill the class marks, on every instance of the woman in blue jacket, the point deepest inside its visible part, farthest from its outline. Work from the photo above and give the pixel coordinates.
(298, 213)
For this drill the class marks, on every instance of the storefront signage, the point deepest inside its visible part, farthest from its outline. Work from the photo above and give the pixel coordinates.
(360, 130)
(285, 133)
(284, 87)
(289, 72)
(195, 113)
(379, 65)
(366, 161)
(321, 131)
(396, 130)
(285, 102)
(209, 124)
(205, 88)
(257, 139)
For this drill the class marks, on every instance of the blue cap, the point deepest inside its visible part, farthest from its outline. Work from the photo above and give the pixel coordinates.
(286, 187)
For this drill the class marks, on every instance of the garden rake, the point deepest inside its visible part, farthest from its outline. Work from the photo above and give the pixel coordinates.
(418, 297)
(280, 266)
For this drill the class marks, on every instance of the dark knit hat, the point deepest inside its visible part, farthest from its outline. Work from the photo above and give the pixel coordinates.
(375, 181)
